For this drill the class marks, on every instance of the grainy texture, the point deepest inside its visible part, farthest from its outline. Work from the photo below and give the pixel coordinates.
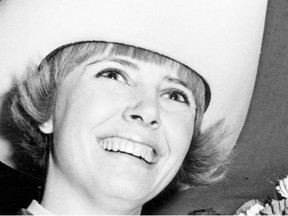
(262, 149)
(261, 153)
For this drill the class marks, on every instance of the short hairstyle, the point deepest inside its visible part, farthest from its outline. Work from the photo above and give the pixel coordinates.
(33, 102)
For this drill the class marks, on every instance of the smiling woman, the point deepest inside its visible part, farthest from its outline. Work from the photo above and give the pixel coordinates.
(112, 114)
(111, 108)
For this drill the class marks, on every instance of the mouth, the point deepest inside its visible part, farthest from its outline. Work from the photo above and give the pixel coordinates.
(135, 149)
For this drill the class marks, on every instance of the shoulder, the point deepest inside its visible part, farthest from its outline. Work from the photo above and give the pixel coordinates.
(17, 190)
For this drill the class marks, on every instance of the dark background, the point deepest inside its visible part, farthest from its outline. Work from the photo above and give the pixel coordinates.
(261, 152)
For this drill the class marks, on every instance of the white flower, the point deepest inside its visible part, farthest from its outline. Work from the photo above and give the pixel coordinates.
(254, 209)
(251, 208)
(283, 187)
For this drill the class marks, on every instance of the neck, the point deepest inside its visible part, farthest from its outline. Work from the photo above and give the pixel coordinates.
(62, 196)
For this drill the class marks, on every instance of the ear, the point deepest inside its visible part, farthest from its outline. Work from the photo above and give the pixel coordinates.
(47, 127)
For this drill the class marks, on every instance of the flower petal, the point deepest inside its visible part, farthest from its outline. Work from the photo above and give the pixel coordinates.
(283, 187)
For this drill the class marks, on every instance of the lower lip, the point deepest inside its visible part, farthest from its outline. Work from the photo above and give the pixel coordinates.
(127, 158)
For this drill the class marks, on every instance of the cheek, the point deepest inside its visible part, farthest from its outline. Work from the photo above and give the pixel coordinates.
(179, 131)
(89, 104)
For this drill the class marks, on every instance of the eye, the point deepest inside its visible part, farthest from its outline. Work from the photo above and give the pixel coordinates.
(113, 74)
(176, 95)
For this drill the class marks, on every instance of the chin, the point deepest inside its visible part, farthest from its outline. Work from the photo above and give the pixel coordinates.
(133, 191)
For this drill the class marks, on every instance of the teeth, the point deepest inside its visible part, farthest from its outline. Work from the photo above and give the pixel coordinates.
(148, 155)
(143, 154)
(129, 149)
(125, 146)
(122, 146)
(115, 146)
(137, 152)
(109, 146)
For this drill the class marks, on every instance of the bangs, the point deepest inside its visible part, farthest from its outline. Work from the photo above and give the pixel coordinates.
(68, 57)
(141, 55)
(194, 81)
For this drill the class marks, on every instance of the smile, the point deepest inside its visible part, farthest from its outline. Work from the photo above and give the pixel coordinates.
(116, 144)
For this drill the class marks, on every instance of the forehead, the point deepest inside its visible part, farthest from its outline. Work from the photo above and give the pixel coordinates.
(71, 56)
(183, 72)
(135, 57)
(151, 71)
(68, 57)
(165, 68)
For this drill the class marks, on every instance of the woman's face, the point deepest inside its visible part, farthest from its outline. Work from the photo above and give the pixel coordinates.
(122, 127)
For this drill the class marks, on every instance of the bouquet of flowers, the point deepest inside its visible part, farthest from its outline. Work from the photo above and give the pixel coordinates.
(278, 206)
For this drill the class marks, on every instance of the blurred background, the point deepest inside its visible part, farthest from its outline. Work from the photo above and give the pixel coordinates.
(260, 155)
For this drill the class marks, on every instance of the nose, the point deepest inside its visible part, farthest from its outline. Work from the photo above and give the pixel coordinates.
(145, 112)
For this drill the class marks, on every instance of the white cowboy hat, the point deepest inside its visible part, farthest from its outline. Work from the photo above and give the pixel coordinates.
(221, 40)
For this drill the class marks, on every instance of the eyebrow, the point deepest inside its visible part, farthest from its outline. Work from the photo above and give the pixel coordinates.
(176, 81)
(119, 61)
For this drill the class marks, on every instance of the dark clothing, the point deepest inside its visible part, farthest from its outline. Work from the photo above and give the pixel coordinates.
(17, 190)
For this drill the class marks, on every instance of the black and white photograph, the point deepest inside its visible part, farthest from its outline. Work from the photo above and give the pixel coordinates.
(143, 107)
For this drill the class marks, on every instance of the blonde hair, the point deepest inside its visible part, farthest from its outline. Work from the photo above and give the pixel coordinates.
(33, 103)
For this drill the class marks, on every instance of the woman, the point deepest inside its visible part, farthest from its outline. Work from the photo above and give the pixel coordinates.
(114, 111)
(112, 123)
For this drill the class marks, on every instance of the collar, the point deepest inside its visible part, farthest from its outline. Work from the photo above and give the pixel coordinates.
(36, 209)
